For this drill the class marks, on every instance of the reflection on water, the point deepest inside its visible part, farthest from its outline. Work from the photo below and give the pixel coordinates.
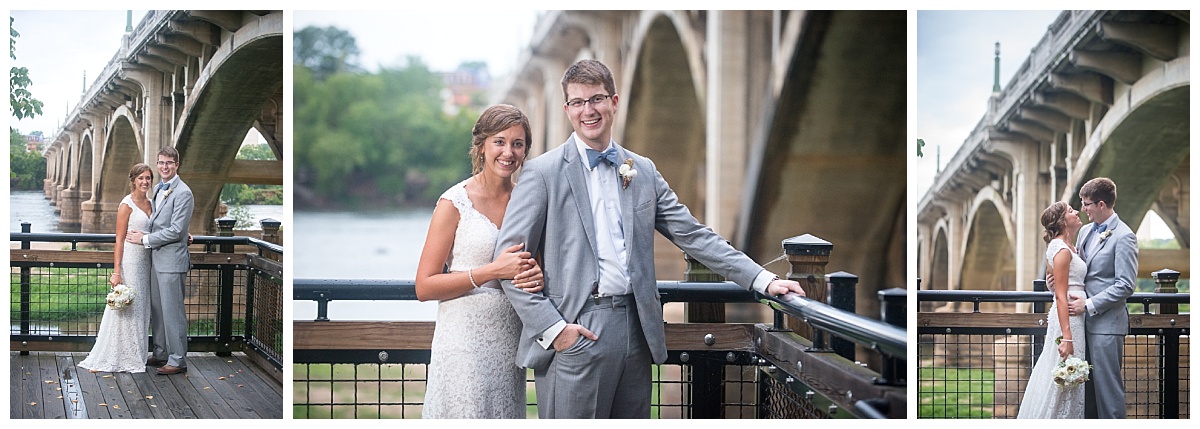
(32, 207)
(344, 245)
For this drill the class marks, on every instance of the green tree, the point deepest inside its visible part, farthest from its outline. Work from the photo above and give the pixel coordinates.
(237, 194)
(325, 51)
(20, 100)
(26, 169)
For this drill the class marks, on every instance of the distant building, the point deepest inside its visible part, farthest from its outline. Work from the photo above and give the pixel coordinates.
(35, 142)
(465, 87)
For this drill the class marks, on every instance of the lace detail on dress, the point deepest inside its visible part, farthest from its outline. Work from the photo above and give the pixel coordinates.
(1043, 398)
(122, 343)
(472, 370)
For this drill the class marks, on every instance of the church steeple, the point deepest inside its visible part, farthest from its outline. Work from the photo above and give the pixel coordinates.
(996, 75)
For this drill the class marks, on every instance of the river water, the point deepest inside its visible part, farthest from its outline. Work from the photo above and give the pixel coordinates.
(33, 207)
(364, 245)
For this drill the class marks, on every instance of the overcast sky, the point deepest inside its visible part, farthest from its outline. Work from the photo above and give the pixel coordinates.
(58, 47)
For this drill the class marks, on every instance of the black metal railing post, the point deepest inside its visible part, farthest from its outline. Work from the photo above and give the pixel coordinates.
(1168, 407)
(893, 310)
(227, 274)
(842, 294)
(26, 286)
(708, 375)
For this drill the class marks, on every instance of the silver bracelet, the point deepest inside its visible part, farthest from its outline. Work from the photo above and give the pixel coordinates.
(1069, 341)
(472, 278)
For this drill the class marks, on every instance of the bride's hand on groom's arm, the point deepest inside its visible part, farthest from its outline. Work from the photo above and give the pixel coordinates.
(530, 280)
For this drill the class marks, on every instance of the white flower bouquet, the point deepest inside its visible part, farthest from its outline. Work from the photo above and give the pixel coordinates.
(1071, 372)
(120, 297)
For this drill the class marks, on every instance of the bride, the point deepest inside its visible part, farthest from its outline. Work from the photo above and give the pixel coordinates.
(1043, 398)
(122, 342)
(472, 368)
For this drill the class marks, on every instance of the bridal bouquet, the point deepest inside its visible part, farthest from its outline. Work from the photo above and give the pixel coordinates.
(1071, 372)
(120, 297)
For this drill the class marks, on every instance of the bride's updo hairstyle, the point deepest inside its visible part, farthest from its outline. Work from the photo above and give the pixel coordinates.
(491, 122)
(136, 171)
(1054, 220)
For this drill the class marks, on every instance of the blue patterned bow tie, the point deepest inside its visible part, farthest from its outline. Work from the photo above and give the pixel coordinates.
(162, 186)
(595, 156)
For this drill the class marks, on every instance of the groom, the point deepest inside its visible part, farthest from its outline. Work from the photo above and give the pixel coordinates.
(590, 208)
(1110, 250)
(167, 241)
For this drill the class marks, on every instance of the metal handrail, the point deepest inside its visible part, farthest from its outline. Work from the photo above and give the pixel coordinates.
(64, 237)
(1022, 296)
(885, 338)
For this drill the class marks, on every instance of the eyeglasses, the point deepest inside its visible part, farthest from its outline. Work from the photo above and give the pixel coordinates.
(1088, 204)
(162, 163)
(596, 99)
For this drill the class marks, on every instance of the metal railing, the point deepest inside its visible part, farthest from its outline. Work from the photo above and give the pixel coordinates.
(234, 299)
(713, 369)
(975, 364)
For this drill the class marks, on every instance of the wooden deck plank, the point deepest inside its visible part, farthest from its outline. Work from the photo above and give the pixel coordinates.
(258, 388)
(200, 393)
(68, 384)
(89, 387)
(220, 385)
(48, 377)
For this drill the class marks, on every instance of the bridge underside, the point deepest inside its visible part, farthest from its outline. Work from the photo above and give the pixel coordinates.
(834, 163)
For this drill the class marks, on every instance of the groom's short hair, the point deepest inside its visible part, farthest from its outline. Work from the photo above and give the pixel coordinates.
(1100, 189)
(589, 72)
(169, 151)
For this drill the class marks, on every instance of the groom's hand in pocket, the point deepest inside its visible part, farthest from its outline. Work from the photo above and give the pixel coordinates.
(570, 335)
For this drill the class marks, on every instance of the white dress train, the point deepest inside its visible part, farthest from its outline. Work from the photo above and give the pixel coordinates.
(472, 370)
(1043, 398)
(122, 343)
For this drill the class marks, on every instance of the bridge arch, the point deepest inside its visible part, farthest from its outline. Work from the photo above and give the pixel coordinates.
(1141, 141)
(988, 262)
(665, 119)
(829, 163)
(242, 79)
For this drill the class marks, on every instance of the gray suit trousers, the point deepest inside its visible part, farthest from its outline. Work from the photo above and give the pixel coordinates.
(1105, 393)
(602, 379)
(169, 327)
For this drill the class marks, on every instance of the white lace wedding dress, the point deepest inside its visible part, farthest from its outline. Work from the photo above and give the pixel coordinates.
(1043, 398)
(472, 370)
(122, 343)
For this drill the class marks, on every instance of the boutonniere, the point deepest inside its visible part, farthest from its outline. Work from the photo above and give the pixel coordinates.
(627, 172)
(167, 192)
(1104, 235)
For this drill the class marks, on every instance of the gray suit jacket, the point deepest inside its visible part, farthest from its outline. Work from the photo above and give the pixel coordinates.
(550, 212)
(168, 232)
(1111, 273)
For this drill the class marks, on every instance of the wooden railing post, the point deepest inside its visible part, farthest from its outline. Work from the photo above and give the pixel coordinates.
(708, 374)
(270, 234)
(893, 310)
(807, 255)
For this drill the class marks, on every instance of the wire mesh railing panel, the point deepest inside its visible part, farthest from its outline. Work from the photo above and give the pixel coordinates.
(973, 376)
(58, 301)
(780, 401)
(266, 331)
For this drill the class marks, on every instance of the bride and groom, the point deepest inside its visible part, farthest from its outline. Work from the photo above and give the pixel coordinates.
(150, 256)
(1092, 269)
(570, 289)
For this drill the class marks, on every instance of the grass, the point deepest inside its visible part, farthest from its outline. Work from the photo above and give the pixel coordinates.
(61, 294)
(955, 393)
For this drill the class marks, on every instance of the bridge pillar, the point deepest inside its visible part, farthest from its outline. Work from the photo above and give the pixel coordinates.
(68, 220)
(739, 61)
(98, 218)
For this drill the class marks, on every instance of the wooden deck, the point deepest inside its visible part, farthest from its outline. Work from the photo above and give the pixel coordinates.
(48, 385)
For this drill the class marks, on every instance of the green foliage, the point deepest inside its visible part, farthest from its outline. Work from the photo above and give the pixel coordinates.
(377, 139)
(920, 146)
(26, 170)
(325, 51)
(238, 193)
(20, 100)
(64, 294)
(955, 393)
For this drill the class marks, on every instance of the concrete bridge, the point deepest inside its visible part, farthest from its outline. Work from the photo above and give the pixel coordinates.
(1104, 94)
(768, 124)
(195, 80)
